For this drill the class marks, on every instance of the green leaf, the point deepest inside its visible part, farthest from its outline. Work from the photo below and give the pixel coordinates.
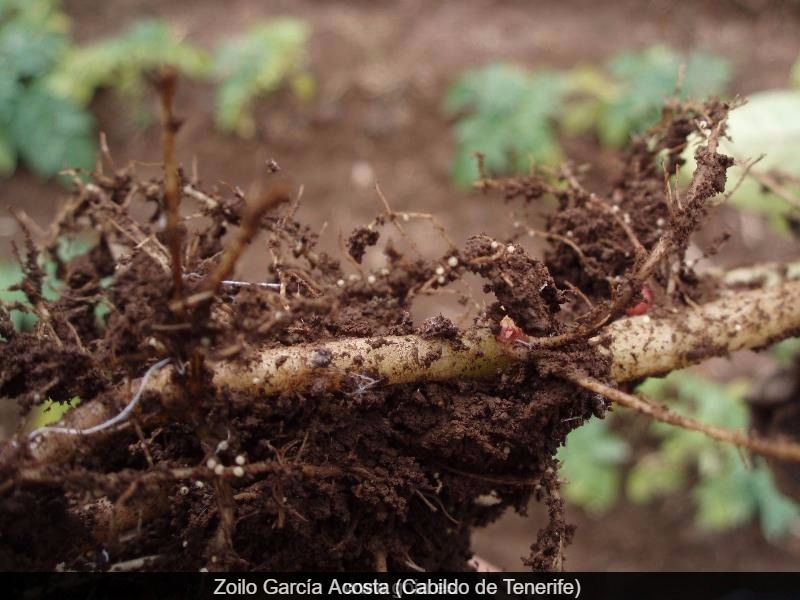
(506, 114)
(795, 80)
(646, 79)
(776, 512)
(9, 90)
(786, 351)
(8, 152)
(52, 133)
(655, 475)
(728, 492)
(50, 412)
(32, 38)
(590, 463)
(268, 56)
(723, 495)
(120, 62)
(11, 274)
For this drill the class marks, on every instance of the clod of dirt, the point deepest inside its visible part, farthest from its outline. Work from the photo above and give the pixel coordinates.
(361, 239)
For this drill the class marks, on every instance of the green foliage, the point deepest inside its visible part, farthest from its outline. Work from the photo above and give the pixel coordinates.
(511, 115)
(728, 492)
(47, 83)
(50, 412)
(795, 80)
(33, 35)
(46, 131)
(120, 62)
(644, 80)
(51, 132)
(267, 57)
(11, 274)
(590, 463)
(507, 115)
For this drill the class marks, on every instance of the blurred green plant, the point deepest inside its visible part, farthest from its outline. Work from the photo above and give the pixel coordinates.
(44, 130)
(121, 62)
(591, 463)
(507, 114)
(512, 115)
(11, 275)
(628, 96)
(726, 491)
(263, 60)
(47, 83)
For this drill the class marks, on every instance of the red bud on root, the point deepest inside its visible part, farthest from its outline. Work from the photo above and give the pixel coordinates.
(642, 307)
(509, 331)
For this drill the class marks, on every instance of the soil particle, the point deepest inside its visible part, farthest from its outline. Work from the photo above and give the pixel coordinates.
(321, 358)
(361, 239)
(522, 285)
(438, 327)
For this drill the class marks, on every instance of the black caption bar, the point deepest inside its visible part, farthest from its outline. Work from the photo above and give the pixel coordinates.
(561, 586)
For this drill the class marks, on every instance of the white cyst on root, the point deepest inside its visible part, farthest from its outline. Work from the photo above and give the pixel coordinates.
(219, 470)
(487, 500)
(238, 471)
(223, 445)
(440, 270)
(211, 463)
(441, 280)
(340, 283)
(240, 459)
(353, 277)
(494, 245)
(510, 249)
(256, 381)
(406, 218)
(371, 279)
(452, 262)
(183, 490)
(384, 271)
(199, 485)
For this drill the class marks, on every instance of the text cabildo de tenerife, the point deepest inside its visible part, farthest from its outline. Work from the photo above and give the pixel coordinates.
(400, 588)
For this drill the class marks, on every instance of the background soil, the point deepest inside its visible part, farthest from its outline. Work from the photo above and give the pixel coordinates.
(382, 68)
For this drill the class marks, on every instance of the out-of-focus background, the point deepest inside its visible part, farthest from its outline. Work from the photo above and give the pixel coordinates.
(346, 93)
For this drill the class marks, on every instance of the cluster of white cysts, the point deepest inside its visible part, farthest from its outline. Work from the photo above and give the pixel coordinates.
(214, 464)
(452, 262)
(511, 248)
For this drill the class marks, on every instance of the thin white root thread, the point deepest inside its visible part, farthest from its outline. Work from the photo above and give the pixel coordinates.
(119, 418)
